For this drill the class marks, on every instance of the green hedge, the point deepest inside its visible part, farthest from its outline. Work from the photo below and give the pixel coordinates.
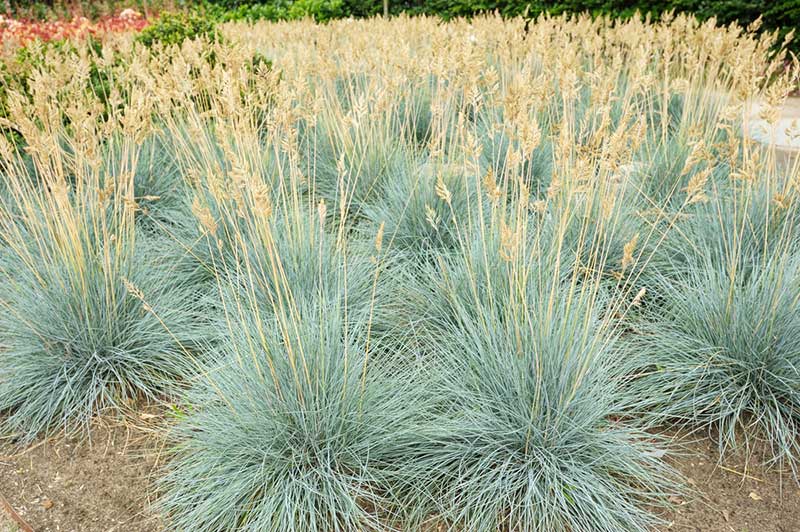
(174, 28)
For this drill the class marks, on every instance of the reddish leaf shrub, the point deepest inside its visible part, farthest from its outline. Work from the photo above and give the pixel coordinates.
(24, 31)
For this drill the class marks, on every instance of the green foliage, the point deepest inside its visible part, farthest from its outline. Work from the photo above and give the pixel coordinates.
(246, 12)
(174, 28)
(319, 10)
(38, 55)
(226, 11)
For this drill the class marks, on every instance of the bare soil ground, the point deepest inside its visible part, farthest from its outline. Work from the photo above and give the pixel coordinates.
(7, 525)
(68, 485)
(105, 485)
(732, 497)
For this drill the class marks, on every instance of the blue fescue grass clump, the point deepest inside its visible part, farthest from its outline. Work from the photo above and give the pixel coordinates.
(734, 230)
(532, 444)
(93, 318)
(89, 336)
(274, 442)
(720, 354)
(159, 188)
(417, 221)
(292, 427)
(295, 249)
(714, 348)
(349, 166)
(77, 344)
(531, 439)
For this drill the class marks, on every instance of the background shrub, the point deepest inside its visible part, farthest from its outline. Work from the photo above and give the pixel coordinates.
(174, 28)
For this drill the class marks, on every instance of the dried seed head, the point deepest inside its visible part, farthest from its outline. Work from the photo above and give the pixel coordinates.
(442, 192)
(699, 153)
(431, 217)
(379, 238)
(492, 190)
(627, 251)
(695, 190)
(637, 299)
(508, 242)
(137, 293)
(782, 201)
(204, 216)
(262, 200)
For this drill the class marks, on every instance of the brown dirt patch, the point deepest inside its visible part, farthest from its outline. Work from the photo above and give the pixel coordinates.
(732, 497)
(104, 485)
(71, 485)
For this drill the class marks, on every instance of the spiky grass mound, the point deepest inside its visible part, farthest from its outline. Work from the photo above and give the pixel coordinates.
(349, 167)
(298, 423)
(715, 347)
(310, 259)
(293, 432)
(420, 210)
(531, 438)
(93, 315)
(733, 229)
(158, 186)
(720, 353)
(77, 342)
(532, 444)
